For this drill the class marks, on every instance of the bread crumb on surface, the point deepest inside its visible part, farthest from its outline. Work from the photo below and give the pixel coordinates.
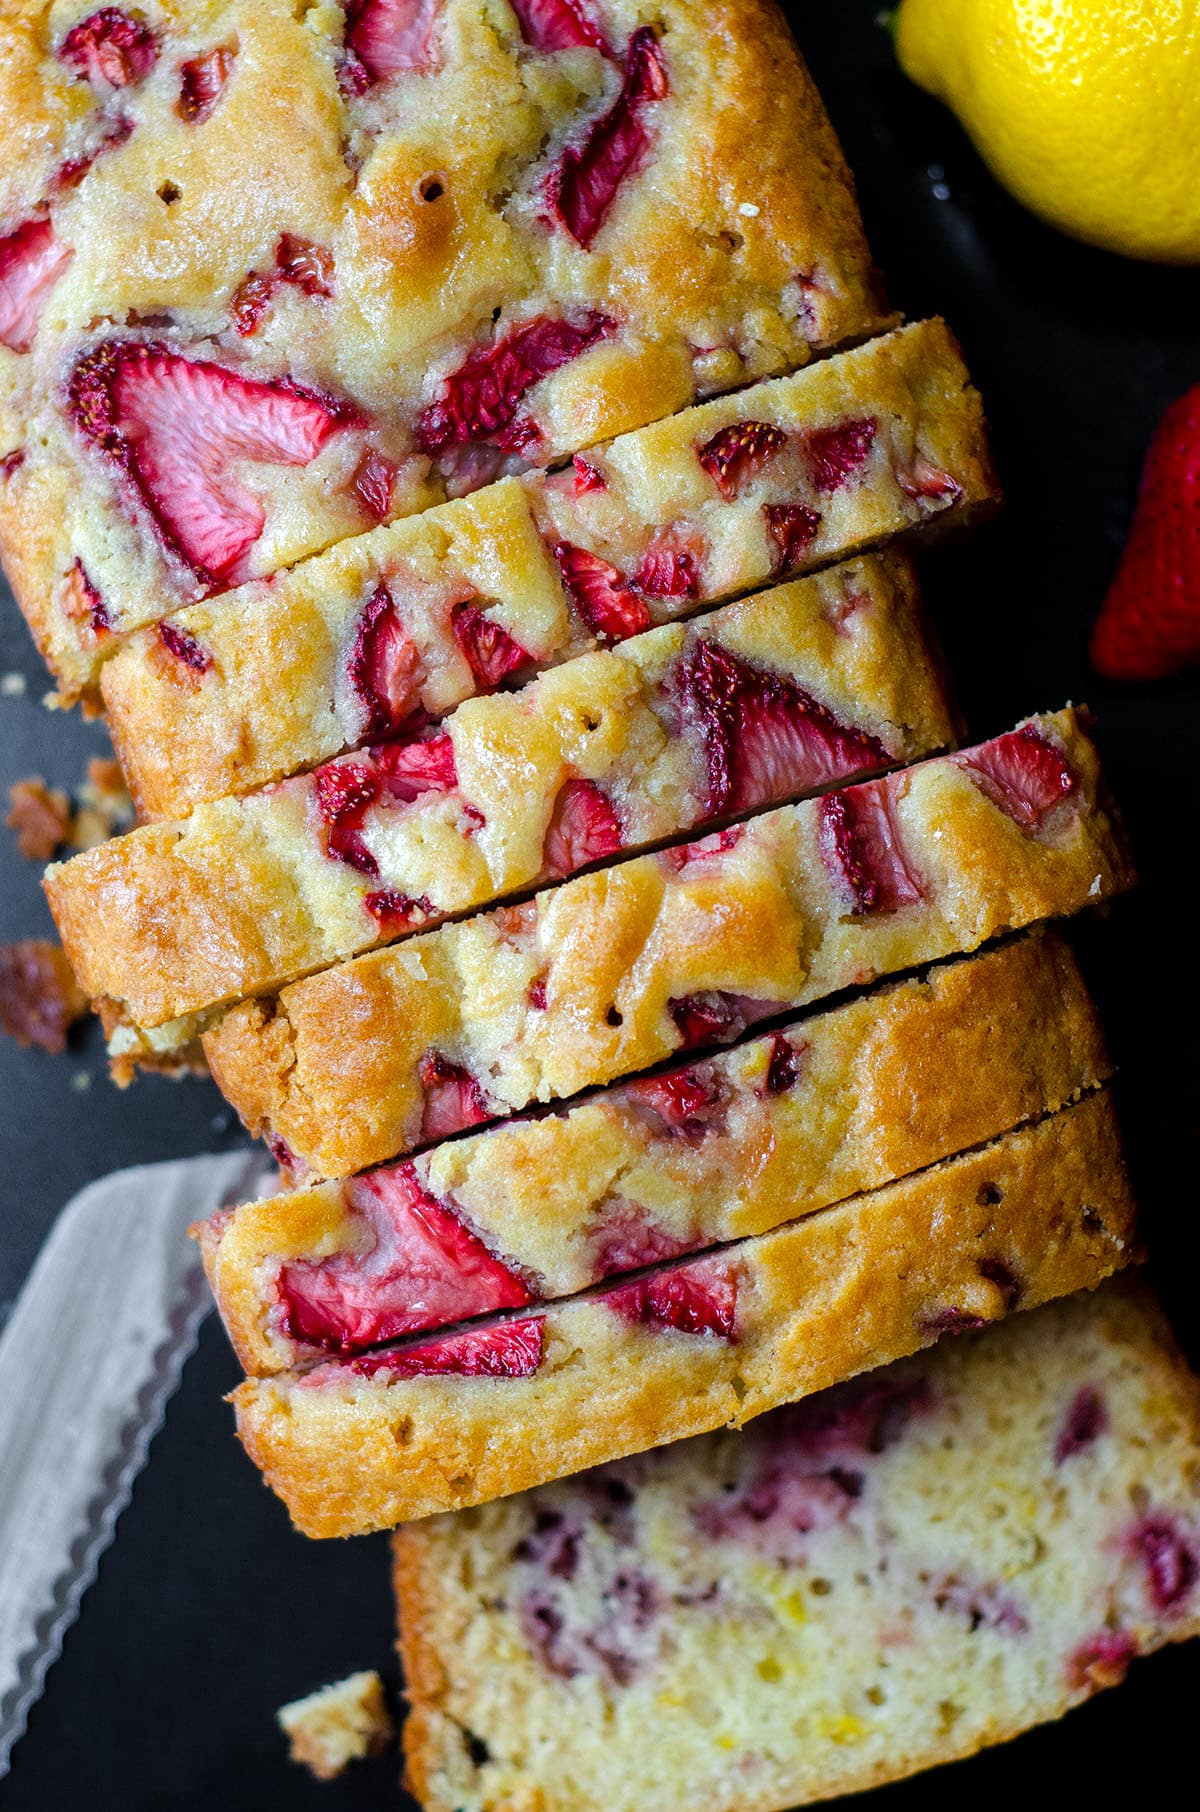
(338, 1724)
(39, 997)
(45, 820)
(39, 817)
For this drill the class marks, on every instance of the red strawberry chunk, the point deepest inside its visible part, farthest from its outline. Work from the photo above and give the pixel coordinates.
(1103, 1660)
(11, 462)
(110, 49)
(588, 476)
(491, 652)
(1085, 1421)
(765, 738)
(373, 483)
(783, 1066)
(861, 847)
(385, 667)
(201, 84)
(184, 647)
(345, 792)
(736, 453)
(453, 1098)
(423, 1268)
(928, 485)
(1022, 773)
(176, 426)
(510, 1349)
(1149, 625)
(715, 1016)
(82, 601)
(669, 568)
(395, 912)
(793, 528)
(31, 262)
(628, 1242)
(584, 186)
(834, 454)
(1171, 1559)
(479, 401)
(583, 828)
(407, 770)
(605, 600)
(705, 849)
(250, 301)
(696, 1298)
(685, 1104)
(387, 37)
(308, 266)
(557, 25)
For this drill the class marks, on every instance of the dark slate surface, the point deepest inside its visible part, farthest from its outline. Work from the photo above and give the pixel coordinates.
(208, 1611)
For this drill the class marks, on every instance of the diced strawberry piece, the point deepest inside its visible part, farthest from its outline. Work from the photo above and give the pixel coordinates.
(1086, 1420)
(250, 302)
(82, 601)
(704, 849)
(453, 1098)
(765, 738)
(1022, 773)
(628, 1241)
(582, 829)
(557, 25)
(1103, 1660)
(783, 1066)
(110, 49)
(537, 995)
(696, 1298)
(685, 1104)
(31, 262)
(1171, 1560)
(176, 426)
(181, 644)
(605, 600)
(491, 652)
(479, 401)
(834, 454)
(345, 791)
(387, 37)
(373, 483)
(736, 453)
(423, 1269)
(510, 1349)
(394, 911)
(588, 476)
(201, 84)
(669, 568)
(308, 266)
(928, 485)
(11, 462)
(861, 847)
(715, 1016)
(584, 186)
(1149, 625)
(793, 528)
(385, 667)
(409, 769)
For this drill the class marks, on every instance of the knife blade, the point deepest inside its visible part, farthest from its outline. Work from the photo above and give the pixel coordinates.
(88, 1360)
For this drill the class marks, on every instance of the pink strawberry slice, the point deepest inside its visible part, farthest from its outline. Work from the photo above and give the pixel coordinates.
(395, 912)
(686, 1104)
(177, 425)
(31, 262)
(584, 186)
(1023, 773)
(110, 49)
(765, 738)
(201, 84)
(492, 654)
(407, 770)
(424, 1268)
(389, 36)
(793, 528)
(736, 453)
(549, 25)
(695, 1298)
(385, 667)
(670, 566)
(605, 600)
(510, 1349)
(345, 792)
(861, 846)
(628, 1242)
(929, 485)
(835, 454)
(584, 828)
(479, 401)
(1149, 625)
(453, 1098)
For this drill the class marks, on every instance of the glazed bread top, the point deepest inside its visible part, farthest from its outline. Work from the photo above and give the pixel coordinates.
(388, 251)
(618, 969)
(873, 1582)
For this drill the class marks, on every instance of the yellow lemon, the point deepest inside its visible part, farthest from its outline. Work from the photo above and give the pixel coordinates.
(1087, 110)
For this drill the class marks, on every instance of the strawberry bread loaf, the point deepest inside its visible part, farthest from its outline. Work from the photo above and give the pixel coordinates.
(386, 250)
(511, 1401)
(886, 1577)
(787, 692)
(616, 970)
(735, 1144)
(231, 694)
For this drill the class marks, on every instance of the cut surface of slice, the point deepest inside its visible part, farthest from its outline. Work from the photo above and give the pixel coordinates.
(404, 1432)
(881, 1579)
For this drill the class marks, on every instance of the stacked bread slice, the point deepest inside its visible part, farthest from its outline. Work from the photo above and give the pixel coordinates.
(459, 444)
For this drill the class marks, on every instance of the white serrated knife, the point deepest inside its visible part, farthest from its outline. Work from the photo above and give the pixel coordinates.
(88, 1359)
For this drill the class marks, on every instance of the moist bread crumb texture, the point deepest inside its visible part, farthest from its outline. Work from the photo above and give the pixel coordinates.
(338, 1724)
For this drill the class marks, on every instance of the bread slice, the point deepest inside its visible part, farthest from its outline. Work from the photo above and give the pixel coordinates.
(735, 1144)
(616, 970)
(825, 680)
(405, 1431)
(383, 258)
(237, 692)
(892, 1575)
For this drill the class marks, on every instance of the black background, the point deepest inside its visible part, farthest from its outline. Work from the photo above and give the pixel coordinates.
(208, 1611)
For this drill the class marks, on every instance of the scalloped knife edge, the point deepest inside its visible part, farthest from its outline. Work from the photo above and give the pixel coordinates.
(69, 1458)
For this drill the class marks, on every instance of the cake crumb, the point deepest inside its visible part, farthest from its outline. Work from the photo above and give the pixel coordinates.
(338, 1724)
(39, 816)
(13, 685)
(40, 999)
(45, 820)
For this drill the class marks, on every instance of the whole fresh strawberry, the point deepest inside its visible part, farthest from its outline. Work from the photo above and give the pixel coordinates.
(1149, 625)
